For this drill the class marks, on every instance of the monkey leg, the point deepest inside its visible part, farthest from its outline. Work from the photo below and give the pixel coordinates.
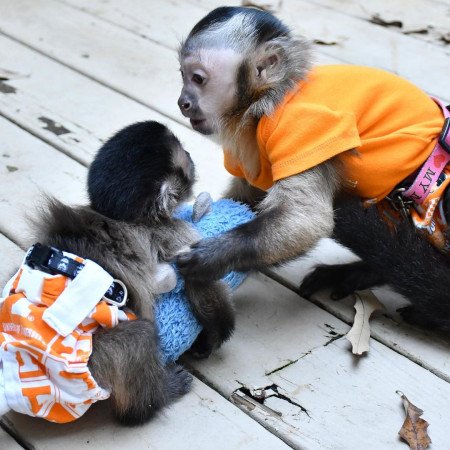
(402, 259)
(211, 303)
(125, 360)
(341, 279)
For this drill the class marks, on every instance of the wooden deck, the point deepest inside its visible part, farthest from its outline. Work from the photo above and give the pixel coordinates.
(74, 71)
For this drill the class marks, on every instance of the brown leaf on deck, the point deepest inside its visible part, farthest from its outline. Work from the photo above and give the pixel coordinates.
(414, 429)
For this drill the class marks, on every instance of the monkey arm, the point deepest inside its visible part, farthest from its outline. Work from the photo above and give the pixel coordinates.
(294, 215)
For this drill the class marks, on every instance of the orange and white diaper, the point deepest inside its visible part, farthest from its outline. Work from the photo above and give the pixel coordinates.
(46, 327)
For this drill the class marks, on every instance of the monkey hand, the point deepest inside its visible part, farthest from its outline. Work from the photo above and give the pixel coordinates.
(205, 261)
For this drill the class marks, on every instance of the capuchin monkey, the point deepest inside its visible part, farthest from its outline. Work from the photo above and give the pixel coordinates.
(296, 138)
(135, 182)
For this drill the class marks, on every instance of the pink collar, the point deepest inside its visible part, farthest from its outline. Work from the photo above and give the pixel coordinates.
(434, 165)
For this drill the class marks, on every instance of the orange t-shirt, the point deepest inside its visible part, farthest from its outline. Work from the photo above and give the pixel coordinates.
(392, 124)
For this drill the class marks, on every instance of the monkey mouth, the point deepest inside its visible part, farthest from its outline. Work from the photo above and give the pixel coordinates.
(196, 122)
(202, 126)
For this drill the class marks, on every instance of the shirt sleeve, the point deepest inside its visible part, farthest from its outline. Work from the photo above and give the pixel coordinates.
(303, 135)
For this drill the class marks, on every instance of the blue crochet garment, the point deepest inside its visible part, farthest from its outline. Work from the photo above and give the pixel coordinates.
(178, 328)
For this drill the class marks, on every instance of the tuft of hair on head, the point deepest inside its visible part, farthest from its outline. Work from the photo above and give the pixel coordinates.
(129, 177)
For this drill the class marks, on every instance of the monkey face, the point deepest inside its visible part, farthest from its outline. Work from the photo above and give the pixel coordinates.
(209, 87)
(141, 173)
(182, 176)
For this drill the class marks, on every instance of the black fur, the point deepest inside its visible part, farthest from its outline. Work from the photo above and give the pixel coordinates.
(342, 279)
(401, 258)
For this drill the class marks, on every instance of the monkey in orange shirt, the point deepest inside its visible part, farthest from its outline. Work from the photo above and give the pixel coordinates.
(295, 139)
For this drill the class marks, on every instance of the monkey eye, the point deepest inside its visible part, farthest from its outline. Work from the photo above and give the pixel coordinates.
(198, 79)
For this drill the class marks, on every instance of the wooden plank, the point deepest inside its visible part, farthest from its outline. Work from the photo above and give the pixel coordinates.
(325, 388)
(130, 64)
(166, 23)
(158, 21)
(274, 327)
(427, 349)
(201, 419)
(355, 400)
(33, 168)
(415, 21)
(39, 91)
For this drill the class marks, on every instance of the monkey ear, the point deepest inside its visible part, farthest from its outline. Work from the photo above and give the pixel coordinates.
(166, 200)
(266, 66)
(268, 63)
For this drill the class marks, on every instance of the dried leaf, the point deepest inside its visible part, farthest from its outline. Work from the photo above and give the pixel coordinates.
(414, 429)
(359, 335)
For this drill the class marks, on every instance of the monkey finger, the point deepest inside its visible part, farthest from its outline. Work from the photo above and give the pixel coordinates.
(183, 260)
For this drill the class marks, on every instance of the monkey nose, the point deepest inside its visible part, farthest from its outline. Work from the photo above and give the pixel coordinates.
(184, 104)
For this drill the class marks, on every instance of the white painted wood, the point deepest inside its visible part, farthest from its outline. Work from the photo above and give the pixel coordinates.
(274, 327)
(166, 23)
(200, 420)
(427, 20)
(354, 400)
(35, 168)
(159, 21)
(351, 402)
(7, 442)
(10, 258)
(90, 112)
(128, 63)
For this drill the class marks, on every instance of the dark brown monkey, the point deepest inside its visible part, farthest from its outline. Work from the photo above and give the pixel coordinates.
(295, 138)
(135, 182)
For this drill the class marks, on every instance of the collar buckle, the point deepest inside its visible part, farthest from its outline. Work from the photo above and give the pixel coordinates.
(38, 257)
(400, 203)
